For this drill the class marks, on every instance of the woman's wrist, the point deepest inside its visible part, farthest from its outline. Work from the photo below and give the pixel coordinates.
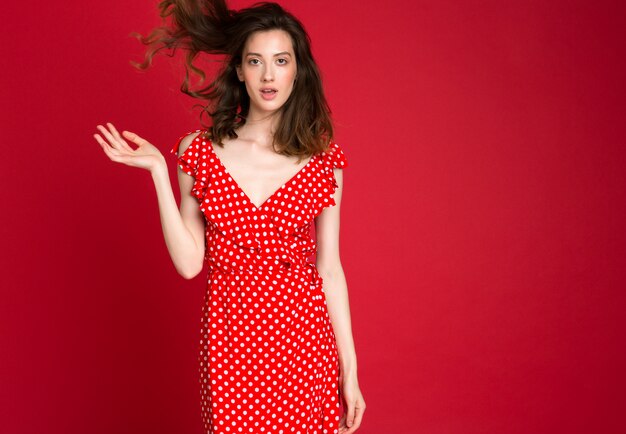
(159, 169)
(348, 365)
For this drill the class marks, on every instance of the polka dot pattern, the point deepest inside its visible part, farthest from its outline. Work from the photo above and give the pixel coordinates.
(267, 353)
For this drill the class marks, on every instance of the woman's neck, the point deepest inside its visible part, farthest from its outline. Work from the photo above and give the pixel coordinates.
(259, 128)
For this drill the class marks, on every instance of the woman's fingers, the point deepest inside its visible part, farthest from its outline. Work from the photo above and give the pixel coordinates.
(354, 407)
(146, 156)
(350, 415)
(107, 148)
(139, 141)
(356, 422)
(112, 153)
(119, 138)
(103, 144)
(107, 135)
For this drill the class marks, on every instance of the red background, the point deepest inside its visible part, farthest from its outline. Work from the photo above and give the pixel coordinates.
(482, 220)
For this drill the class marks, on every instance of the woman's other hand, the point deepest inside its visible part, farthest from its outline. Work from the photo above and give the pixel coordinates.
(146, 156)
(353, 404)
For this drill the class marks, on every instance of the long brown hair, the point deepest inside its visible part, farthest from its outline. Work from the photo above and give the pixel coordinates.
(208, 26)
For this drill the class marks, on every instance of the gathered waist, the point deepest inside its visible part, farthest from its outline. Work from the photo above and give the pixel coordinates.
(267, 265)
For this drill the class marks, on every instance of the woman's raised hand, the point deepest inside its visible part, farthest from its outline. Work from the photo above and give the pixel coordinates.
(146, 156)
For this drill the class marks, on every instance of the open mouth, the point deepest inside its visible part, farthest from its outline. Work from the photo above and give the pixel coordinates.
(268, 94)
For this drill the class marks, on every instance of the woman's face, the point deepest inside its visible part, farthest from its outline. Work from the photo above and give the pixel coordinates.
(269, 69)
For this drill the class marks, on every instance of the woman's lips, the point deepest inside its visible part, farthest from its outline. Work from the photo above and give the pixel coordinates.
(268, 95)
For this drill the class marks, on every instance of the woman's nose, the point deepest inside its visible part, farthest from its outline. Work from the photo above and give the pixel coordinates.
(268, 74)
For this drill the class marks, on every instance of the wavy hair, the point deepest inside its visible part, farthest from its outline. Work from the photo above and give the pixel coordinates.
(208, 26)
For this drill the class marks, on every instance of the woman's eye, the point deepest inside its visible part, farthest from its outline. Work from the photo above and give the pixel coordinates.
(253, 60)
(284, 60)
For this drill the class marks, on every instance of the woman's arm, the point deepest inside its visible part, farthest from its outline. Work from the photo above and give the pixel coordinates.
(336, 292)
(183, 229)
(335, 286)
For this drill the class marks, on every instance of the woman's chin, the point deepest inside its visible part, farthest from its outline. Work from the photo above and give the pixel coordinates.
(266, 107)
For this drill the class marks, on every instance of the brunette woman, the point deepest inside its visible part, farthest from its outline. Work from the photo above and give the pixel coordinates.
(276, 348)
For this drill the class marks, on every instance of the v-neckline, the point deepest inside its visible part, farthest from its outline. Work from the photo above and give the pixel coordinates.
(236, 184)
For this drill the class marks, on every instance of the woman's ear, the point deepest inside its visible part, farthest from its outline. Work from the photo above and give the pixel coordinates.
(239, 72)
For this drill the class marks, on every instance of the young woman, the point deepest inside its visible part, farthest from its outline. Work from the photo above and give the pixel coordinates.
(276, 350)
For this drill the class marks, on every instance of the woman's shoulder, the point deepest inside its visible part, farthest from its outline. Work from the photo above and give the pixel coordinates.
(184, 142)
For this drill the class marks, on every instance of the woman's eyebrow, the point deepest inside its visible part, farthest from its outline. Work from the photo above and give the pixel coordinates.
(277, 54)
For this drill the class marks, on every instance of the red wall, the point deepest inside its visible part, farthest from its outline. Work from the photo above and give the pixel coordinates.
(483, 217)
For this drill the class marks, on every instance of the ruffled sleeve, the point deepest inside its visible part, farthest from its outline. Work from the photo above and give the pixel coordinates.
(193, 162)
(335, 157)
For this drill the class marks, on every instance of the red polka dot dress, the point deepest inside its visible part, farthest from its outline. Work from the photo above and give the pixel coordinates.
(268, 357)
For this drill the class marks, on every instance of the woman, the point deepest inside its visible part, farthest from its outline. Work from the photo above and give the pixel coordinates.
(276, 352)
